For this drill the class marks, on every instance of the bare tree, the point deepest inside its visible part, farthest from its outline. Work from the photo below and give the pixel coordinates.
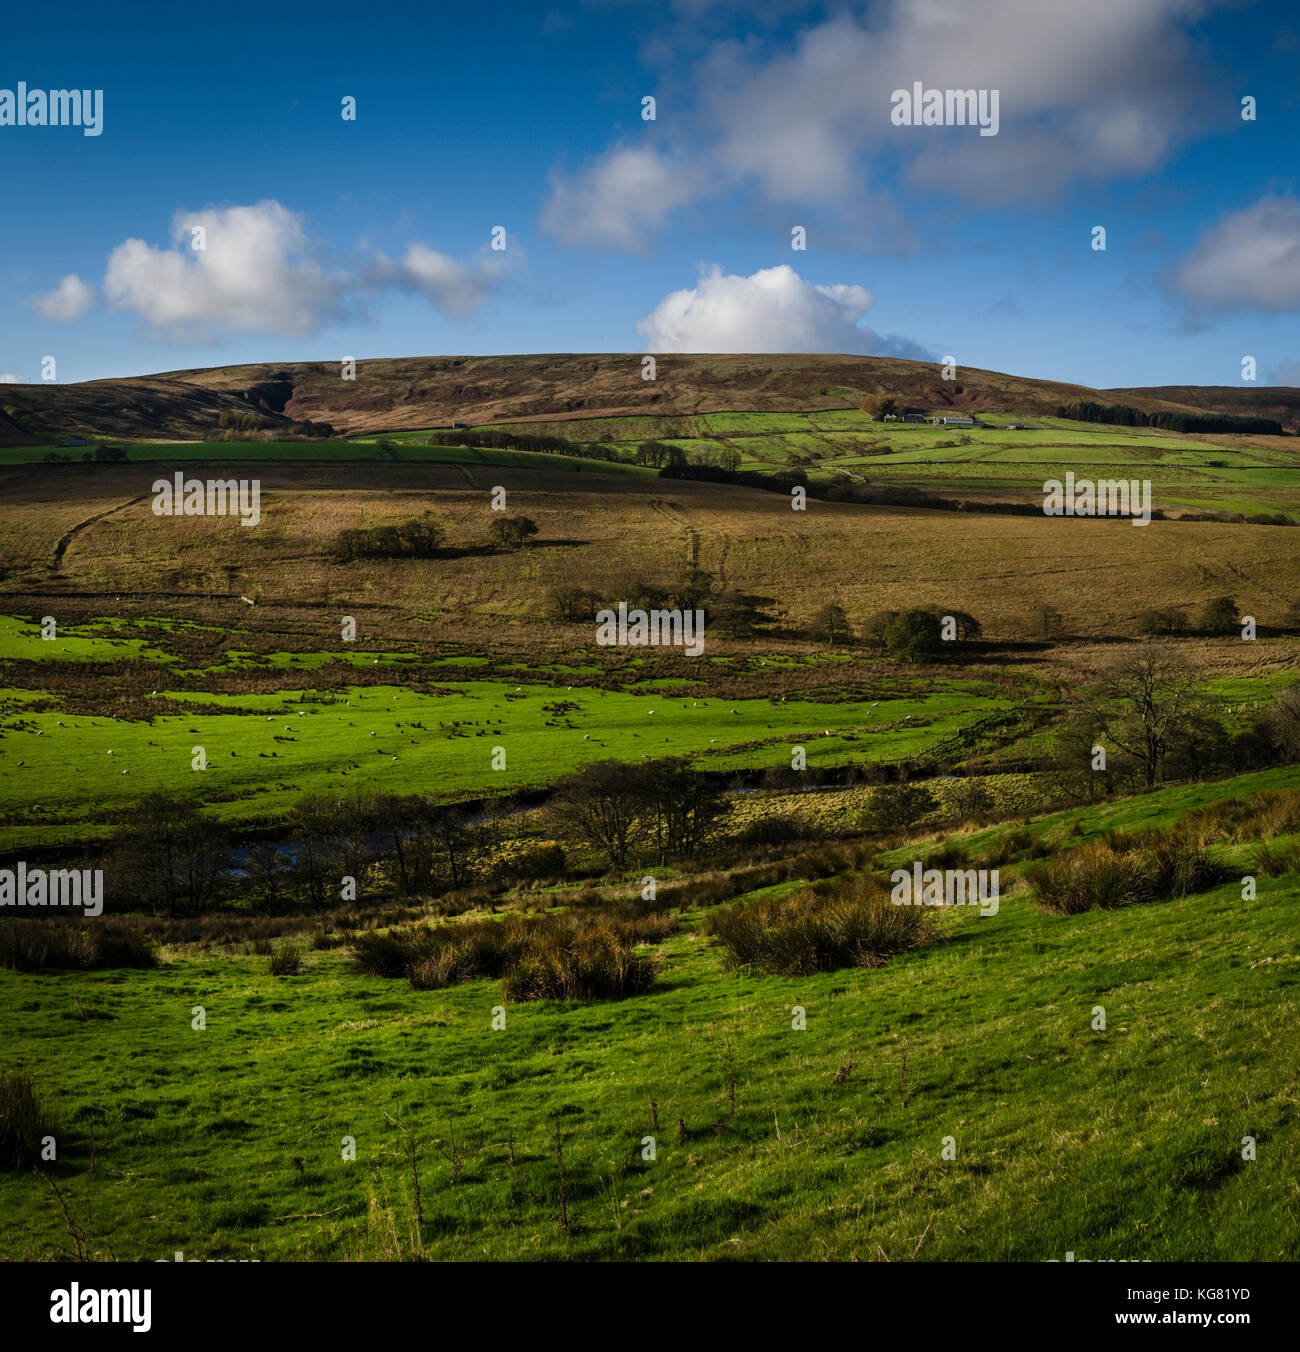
(601, 804)
(1139, 701)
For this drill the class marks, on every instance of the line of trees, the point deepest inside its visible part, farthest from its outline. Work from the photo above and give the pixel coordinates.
(526, 441)
(424, 538)
(419, 538)
(176, 859)
(1125, 415)
(659, 810)
(731, 612)
(1218, 616)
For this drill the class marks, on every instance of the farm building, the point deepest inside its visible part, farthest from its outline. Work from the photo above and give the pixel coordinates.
(953, 420)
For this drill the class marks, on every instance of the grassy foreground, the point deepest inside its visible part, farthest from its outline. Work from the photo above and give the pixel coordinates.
(1123, 1144)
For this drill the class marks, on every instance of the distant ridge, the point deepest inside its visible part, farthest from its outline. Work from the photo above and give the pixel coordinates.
(394, 393)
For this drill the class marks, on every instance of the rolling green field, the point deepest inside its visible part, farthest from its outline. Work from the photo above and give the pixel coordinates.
(1250, 475)
(64, 769)
(1118, 1144)
(203, 662)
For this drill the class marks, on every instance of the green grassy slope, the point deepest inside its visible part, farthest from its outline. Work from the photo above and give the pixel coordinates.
(1116, 1144)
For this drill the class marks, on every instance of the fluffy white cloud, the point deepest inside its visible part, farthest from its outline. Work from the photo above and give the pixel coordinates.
(257, 273)
(71, 299)
(455, 288)
(774, 310)
(618, 199)
(1249, 261)
(1085, 92)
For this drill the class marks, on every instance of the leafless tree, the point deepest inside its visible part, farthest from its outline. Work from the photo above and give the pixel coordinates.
(1139, 701)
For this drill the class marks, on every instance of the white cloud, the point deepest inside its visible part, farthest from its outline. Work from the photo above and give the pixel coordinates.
(455, 288)
(1085, 92)
(774, 310)
(1249, 261)
(8, 378)
(616, 200)
(258, 273)
(71, 299)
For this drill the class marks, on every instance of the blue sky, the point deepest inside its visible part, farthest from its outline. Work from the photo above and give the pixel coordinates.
(328, 238)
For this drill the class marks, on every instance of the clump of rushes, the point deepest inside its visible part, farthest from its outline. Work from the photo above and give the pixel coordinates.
(1125, 871)
(24, 1120)
(845, 923)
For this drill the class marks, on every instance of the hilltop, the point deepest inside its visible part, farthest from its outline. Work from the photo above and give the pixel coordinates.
(402, 393)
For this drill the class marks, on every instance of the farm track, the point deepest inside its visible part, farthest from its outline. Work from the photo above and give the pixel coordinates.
(676, 517)
(61, 548)
(674, 514)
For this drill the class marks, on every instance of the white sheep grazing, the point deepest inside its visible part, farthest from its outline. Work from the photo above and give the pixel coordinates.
(110, 753)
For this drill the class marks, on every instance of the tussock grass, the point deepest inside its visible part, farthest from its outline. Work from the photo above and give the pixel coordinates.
(1268, 813)
(574, 956)
(1125, 870)
(1274, 860)
(34, 945)
(850, 923)
(594, 962)
(285, 960)
(24, 1119)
